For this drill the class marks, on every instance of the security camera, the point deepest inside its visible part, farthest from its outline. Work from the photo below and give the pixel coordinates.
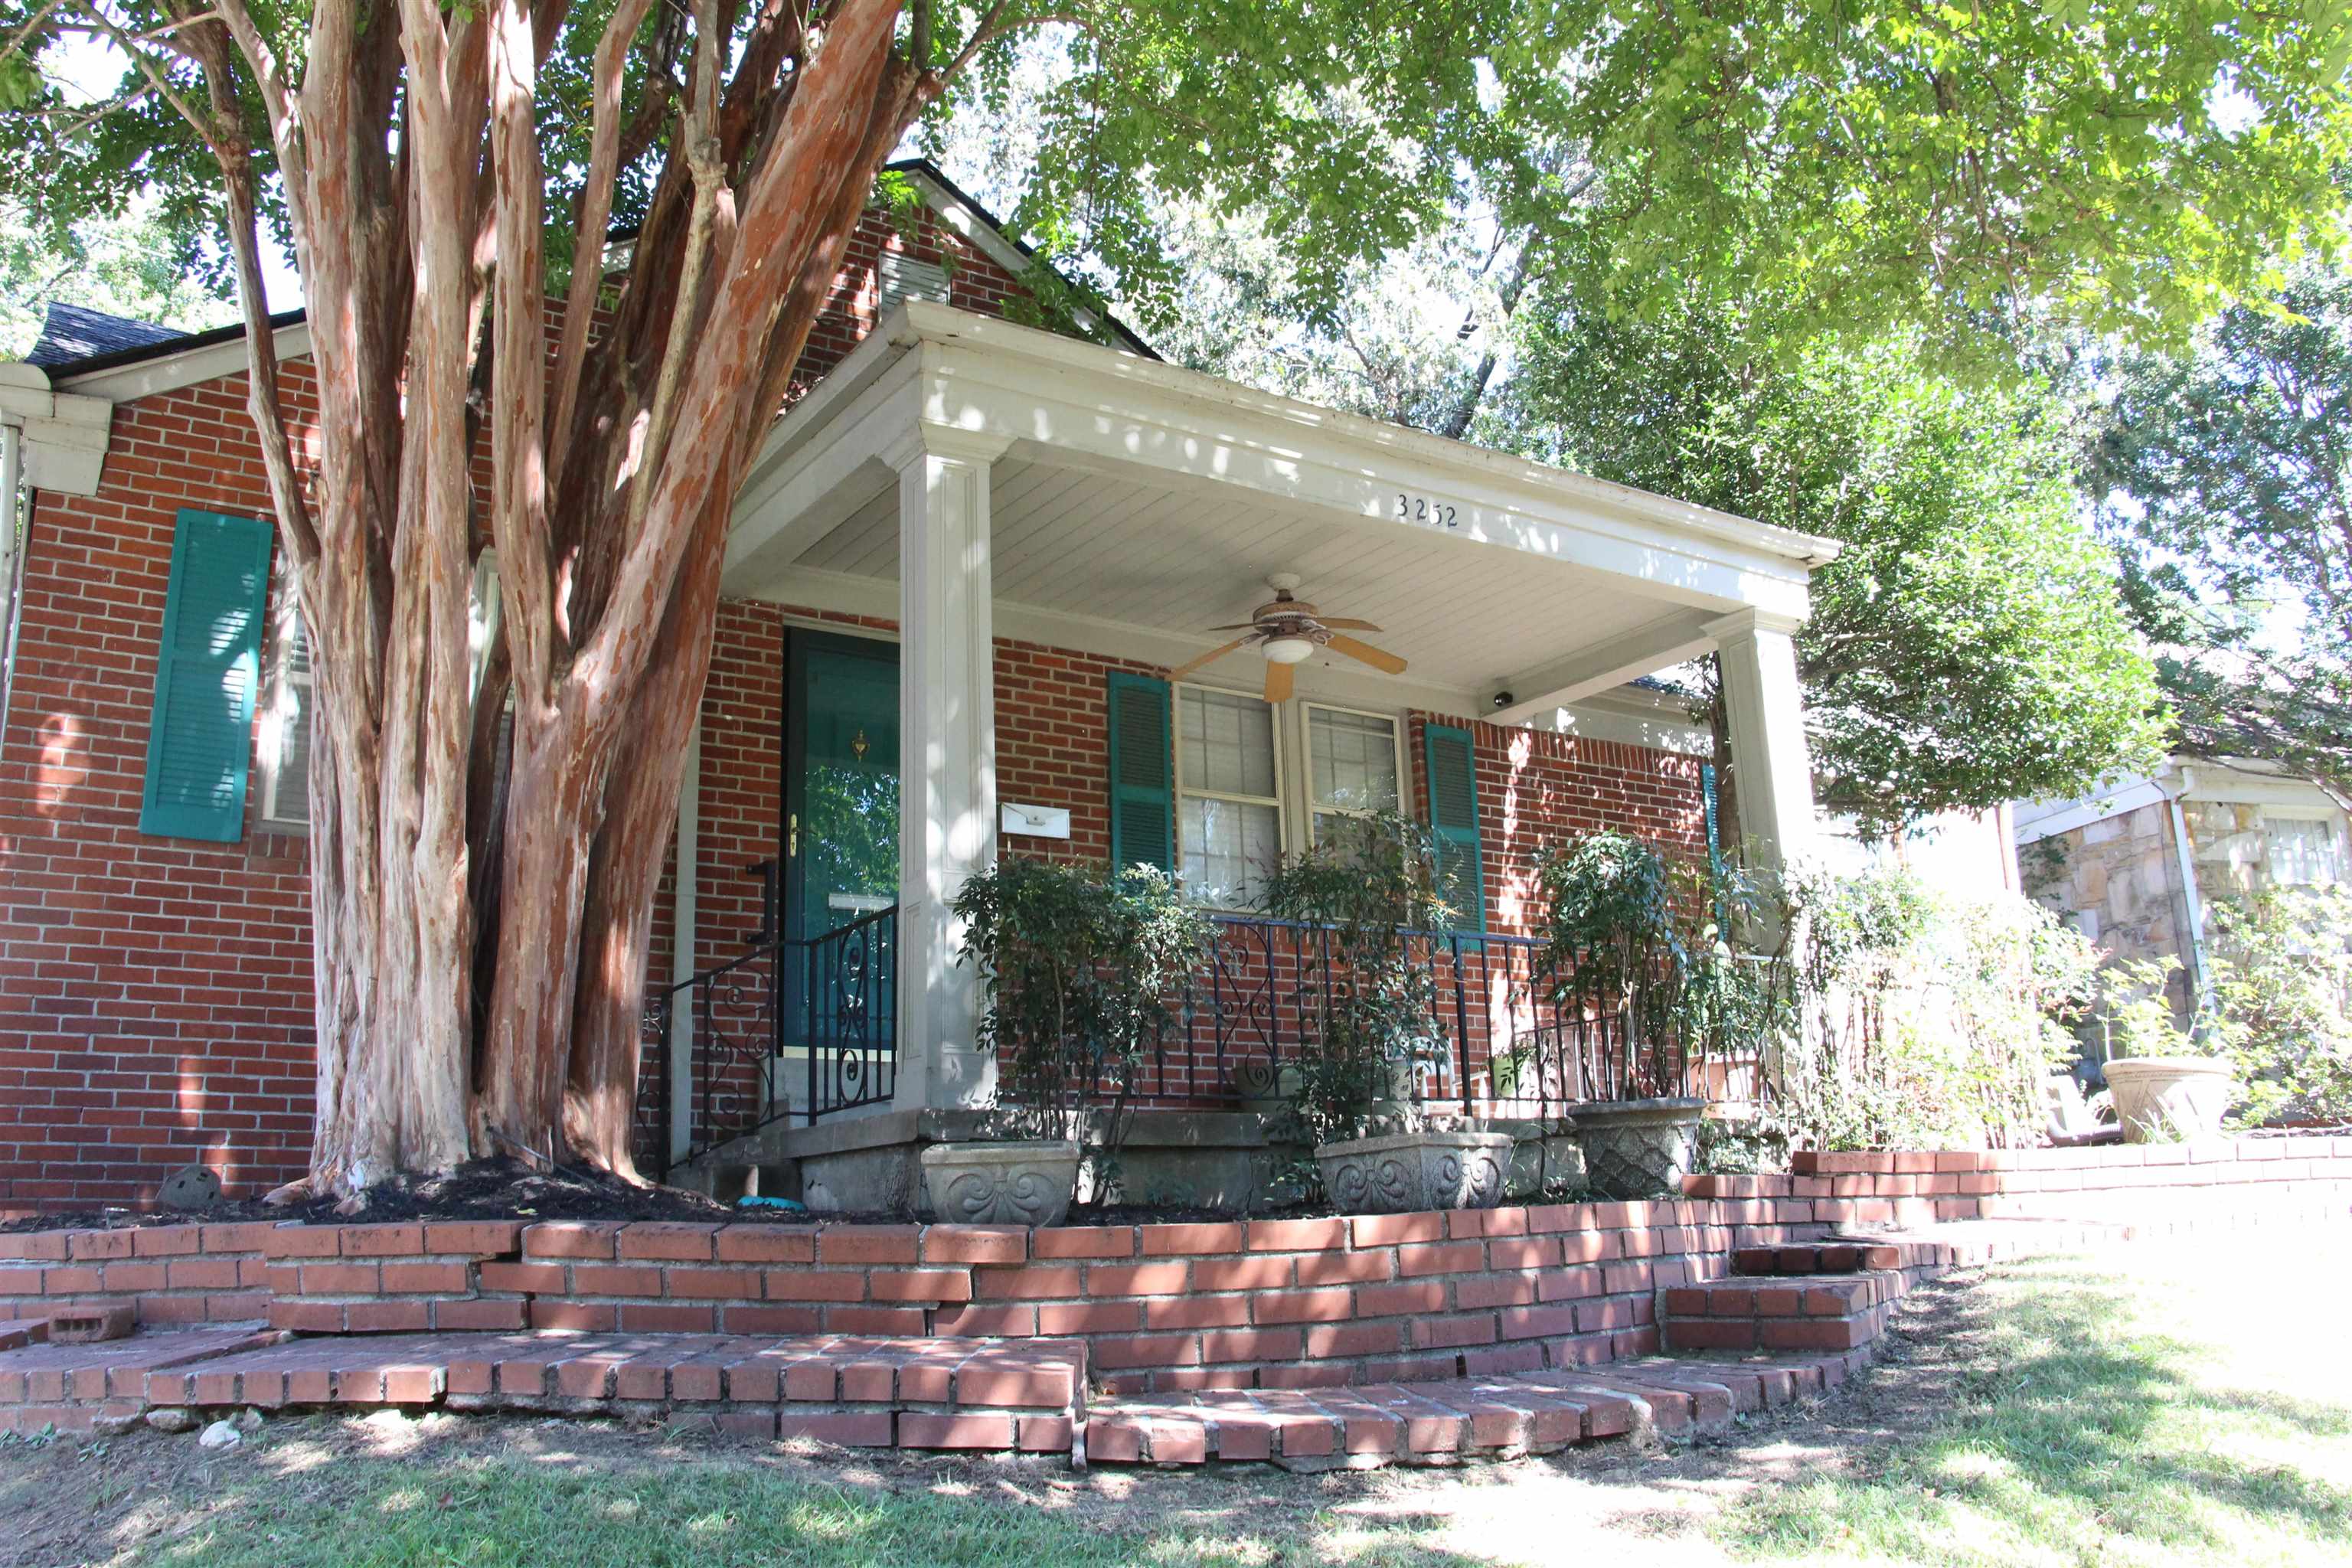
(1502, 699)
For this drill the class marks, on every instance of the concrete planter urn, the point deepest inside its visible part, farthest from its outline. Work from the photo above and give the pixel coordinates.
(1405, 1172)
(999, 1183)
(1638, 1149)
(1265, 1086)
(2161, 1099)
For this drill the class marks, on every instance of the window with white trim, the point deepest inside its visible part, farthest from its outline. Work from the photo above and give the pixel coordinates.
(2304, 851)
(286, 718)
(1229, 833)
(1354, 765)
(285, 749)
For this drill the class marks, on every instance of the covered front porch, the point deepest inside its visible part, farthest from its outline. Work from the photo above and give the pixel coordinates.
(969, 564)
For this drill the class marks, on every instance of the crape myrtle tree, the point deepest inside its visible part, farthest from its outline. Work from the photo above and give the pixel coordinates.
(445, 177)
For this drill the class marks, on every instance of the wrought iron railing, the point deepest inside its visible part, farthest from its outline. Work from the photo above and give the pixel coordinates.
(1520, 1036)
(806, 1028)
(786, 1028)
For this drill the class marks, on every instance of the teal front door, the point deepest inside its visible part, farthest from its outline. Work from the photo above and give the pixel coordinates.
(841, 864)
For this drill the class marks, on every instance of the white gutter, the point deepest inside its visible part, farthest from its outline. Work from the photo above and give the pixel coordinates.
(2193, 906)
(12, 474)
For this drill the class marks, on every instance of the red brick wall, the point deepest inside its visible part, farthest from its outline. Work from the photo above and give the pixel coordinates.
(1270, 1303)
(1536, 789)
(154, 993)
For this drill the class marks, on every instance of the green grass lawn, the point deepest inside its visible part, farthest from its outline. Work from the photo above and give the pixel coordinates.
(2157, 1406)
(2163, 1406)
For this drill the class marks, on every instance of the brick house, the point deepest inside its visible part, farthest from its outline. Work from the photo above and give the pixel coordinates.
(961, 574)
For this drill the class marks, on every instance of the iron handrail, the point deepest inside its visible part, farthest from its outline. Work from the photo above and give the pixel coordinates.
(833, 996)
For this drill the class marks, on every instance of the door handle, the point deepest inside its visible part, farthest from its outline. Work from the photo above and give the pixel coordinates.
(792, 835)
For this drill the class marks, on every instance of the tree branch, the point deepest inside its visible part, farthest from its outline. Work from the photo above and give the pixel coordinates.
(596, 216)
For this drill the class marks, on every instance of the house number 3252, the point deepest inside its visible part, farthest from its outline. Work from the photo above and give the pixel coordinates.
(1427, 512)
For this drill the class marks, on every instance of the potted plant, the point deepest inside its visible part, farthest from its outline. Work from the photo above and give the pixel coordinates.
(2161, 1094)
(1650, 964)
(1374, 1023)
(1078, 962)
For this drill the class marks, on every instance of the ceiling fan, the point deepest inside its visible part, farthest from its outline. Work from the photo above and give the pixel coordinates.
(1287, 629)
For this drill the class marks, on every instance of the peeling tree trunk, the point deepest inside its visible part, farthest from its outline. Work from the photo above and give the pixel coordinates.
(480, 943)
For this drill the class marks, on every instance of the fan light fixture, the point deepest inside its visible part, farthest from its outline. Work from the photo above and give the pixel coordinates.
(1288, 630)
(1286, 651)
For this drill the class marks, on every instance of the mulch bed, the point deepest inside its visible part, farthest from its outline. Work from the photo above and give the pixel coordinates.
(506, 1189)
(484, 1189)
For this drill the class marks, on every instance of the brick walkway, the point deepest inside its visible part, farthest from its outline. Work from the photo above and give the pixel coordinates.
(1028, 1397)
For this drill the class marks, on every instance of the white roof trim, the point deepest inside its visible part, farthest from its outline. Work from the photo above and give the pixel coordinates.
(66, 434)
(188, 367)
(920, 320)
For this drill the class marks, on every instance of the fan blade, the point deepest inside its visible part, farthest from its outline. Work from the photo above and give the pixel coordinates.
(1330, 624)
(1237, 626)
(1180, 671)
(1278, 681)
(1365, 653)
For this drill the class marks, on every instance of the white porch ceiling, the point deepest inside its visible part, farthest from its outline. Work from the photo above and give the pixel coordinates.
(1077, 542)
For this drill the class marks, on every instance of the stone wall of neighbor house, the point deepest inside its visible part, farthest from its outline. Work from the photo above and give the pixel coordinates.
(155, 1002)
(2116, 880)
(1263, 1303)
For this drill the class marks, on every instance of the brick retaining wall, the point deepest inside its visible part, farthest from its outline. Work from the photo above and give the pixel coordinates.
(1263, 1303)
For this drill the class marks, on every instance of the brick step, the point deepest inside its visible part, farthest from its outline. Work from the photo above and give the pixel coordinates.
(1445, 1422)
(1820, 1312)
(17, 1332)
(1028, 1395)
(1825, 1257)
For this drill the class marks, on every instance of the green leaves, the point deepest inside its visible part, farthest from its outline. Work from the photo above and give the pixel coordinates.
(2224, 478)
(1968, 646)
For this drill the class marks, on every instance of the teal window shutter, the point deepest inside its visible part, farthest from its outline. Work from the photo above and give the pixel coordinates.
(207, 672)
(1453, 775)
(1142, 773)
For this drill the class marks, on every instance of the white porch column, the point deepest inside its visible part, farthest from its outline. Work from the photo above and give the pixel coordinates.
(947, 750)
(1764, 707)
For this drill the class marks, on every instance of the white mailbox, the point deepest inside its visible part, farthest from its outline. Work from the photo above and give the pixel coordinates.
(1034, 820)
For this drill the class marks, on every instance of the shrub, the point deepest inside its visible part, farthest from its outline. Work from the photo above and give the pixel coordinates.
(1079, 962)
(1924, 1018)
(2281, 1003)
(1690, 962)
(1374, 1019)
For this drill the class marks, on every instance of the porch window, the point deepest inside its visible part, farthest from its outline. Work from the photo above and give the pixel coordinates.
(1228, 795)
(1351, 765)
(2304, 851)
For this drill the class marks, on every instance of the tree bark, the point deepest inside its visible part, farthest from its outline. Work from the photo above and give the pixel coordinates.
(480, 935)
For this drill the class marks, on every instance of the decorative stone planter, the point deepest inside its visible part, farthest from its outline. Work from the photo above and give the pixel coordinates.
(1637, 1149)
(1265, 1086)
(999, 1183)
(2160, 1099)
(1407, 1172)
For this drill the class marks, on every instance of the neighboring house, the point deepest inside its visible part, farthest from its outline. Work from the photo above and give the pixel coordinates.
(2136, 867)
(961, 573)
